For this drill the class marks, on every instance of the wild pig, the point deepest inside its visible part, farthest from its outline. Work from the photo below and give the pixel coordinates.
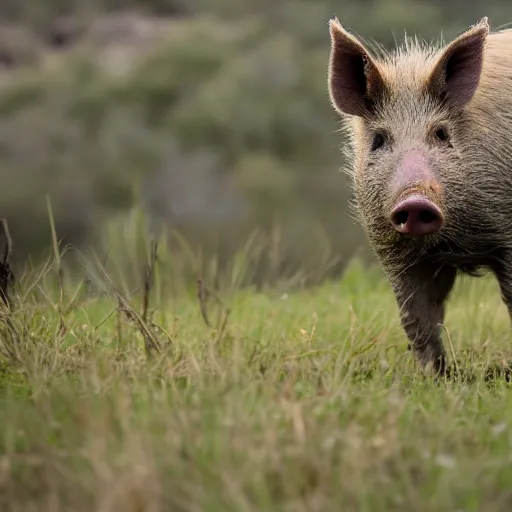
(430, 149)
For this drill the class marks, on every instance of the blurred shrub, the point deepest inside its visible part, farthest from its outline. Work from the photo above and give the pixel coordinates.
(214, 116)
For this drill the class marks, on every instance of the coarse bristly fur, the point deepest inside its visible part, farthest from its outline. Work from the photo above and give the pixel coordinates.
(449, 105)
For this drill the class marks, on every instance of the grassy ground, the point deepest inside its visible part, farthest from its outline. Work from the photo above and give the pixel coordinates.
(300, 402)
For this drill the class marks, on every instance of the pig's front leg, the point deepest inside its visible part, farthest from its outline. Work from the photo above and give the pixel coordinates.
(502, 268)
(421, 292)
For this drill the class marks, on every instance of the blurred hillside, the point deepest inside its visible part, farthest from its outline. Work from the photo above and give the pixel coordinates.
(212, 114)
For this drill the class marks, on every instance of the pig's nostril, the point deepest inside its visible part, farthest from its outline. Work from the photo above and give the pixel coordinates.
(400, 217)
(428, 216)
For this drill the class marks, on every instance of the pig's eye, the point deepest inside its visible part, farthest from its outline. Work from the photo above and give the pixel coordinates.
(378, 141)
(442, 134)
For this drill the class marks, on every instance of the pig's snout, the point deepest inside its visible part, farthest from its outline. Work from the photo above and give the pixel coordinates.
(416, 216)
(415, 211)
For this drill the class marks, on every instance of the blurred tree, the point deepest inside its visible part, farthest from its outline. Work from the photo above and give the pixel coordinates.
(218, 109)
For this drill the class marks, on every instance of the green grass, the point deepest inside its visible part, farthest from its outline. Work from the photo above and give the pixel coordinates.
(306, 401)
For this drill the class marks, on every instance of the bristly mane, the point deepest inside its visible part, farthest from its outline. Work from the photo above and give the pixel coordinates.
(407, 47)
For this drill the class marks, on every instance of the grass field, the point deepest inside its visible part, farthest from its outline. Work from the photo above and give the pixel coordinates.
(299, 401)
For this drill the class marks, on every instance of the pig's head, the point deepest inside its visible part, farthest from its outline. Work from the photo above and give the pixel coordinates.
(405, 114)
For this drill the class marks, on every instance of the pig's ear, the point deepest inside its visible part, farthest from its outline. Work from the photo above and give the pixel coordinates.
(456, 73)
(355, 82)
